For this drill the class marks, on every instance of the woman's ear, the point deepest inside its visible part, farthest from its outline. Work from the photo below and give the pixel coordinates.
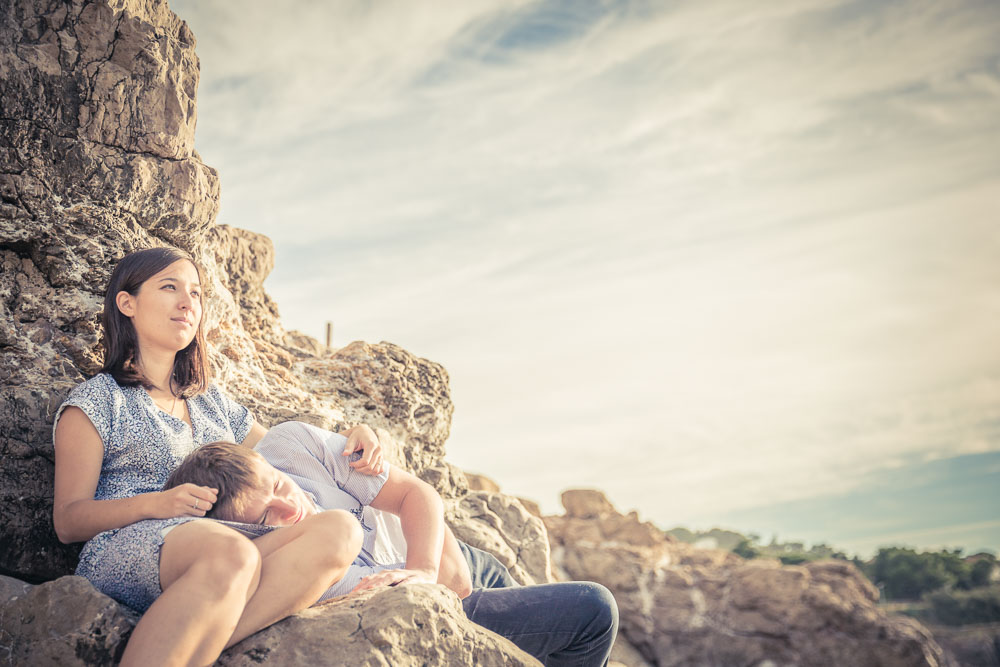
(125, 303)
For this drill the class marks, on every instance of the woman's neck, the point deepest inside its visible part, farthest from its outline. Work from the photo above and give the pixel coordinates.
(158, 367)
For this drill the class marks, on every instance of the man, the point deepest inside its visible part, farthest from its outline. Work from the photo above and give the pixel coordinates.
(299, 469)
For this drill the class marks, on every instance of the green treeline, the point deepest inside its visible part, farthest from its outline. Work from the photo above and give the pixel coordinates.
(904, 574)
(941, 586)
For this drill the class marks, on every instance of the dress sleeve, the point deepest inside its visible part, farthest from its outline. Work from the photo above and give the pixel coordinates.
(97, 398)
(239, 417)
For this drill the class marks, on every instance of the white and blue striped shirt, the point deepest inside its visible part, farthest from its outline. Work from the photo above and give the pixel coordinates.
(313, 458)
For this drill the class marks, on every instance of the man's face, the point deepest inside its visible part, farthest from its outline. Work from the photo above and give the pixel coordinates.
(276, 501)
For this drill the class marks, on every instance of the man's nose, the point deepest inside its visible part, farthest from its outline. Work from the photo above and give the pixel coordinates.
(285, 507)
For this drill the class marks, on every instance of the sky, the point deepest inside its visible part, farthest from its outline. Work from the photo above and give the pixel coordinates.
(733, 265)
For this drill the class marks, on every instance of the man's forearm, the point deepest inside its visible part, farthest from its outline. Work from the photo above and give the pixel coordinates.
(421, 514)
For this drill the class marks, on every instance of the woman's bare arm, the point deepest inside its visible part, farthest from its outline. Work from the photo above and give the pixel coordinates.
(77, 516)
(253, 437)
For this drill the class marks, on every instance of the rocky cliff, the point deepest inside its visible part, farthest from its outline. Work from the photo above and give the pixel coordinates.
(97, 159)
(681, 605)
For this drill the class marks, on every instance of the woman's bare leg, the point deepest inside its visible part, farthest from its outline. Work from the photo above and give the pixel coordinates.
(207, 572)
(219, 587)
(298, 564)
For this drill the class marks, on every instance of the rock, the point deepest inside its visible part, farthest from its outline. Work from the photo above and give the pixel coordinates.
(533, 508)
(680, 605)
(416, 625)
(502, 526)
(96, 159)
(586, 504)
(67, 622)
(623, 653)
(384, 385)
(62, 622)
(481, 483)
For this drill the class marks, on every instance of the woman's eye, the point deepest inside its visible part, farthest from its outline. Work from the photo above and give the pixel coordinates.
(196, 294)
(169, 285)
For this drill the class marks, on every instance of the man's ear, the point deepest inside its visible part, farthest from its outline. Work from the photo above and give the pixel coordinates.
(125, 303)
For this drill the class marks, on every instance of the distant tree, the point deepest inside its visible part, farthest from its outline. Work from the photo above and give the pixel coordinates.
(907, 575)
(794, 559)
(982, 570)
(963, 608)
(746, 549)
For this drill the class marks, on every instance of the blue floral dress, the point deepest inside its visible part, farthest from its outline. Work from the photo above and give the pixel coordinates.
(142, 445)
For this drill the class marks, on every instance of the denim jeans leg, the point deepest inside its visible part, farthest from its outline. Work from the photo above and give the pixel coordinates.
(486, 570)
(572, 623)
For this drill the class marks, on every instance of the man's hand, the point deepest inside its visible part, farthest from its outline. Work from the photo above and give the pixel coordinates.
(363, 438)
(394, 578)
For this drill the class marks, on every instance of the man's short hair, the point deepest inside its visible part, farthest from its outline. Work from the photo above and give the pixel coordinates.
(225, 466)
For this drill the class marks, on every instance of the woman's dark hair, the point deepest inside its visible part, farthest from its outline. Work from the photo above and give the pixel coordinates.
(191, 368)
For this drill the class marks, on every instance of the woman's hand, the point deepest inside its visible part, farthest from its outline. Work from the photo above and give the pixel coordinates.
(395, 577)
(183, 500)
(363, 438)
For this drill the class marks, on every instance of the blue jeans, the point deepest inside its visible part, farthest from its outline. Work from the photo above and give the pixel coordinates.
(570, 623)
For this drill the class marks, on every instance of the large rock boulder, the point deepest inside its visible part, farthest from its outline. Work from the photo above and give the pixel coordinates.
(680, 605)
(61, 622)
(67, 622)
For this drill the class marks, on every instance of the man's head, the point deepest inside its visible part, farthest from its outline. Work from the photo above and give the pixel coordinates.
(251, 490)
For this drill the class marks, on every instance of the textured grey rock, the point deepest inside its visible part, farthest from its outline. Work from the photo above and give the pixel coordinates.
(61, 622)
(401, 626)
(67, 622)
(501, 525)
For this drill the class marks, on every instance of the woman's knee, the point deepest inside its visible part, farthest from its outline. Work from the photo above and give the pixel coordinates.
(225, 562)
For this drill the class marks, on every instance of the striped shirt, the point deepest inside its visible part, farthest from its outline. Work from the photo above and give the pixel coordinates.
(313, 458)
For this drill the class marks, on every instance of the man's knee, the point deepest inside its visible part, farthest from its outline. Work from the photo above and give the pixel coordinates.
(602, 605)
(336, 537)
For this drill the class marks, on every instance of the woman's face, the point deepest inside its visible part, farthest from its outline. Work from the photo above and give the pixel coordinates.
(166, 311)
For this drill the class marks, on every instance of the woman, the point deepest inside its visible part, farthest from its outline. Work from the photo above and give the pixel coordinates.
(201, 585)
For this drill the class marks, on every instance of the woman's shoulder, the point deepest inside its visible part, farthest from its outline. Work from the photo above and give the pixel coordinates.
(100, 398)
(100, 385)
(217, 396)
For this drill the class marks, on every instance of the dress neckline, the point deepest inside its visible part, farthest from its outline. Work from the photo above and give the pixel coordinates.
(187, 408)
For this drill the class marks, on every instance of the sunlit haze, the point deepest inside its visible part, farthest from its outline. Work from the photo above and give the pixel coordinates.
(734, 264)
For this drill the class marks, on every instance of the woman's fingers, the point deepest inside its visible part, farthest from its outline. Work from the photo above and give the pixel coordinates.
(200, 499)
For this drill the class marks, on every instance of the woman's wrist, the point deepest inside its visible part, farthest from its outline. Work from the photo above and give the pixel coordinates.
(147, 503)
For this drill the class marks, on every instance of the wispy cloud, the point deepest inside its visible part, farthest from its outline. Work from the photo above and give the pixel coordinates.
(698, 254)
